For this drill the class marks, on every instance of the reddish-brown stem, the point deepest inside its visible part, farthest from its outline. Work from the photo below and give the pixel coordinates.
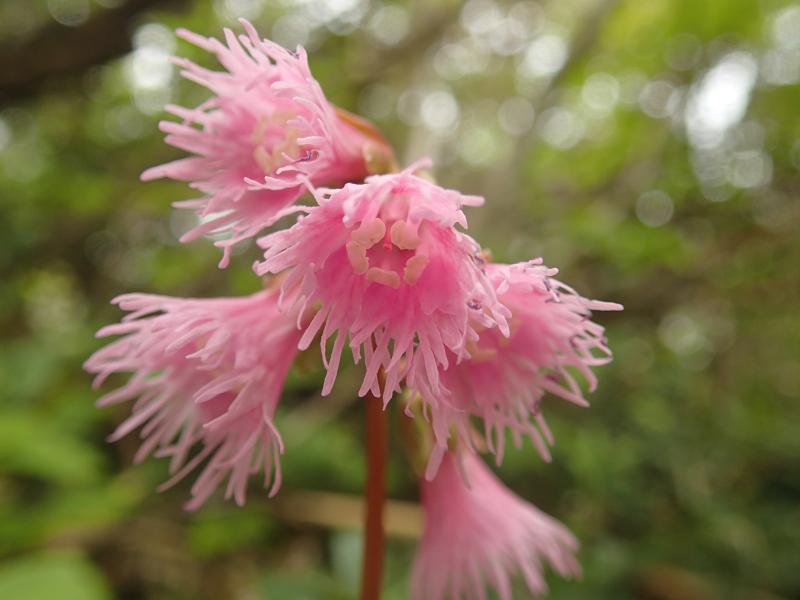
(375, 496)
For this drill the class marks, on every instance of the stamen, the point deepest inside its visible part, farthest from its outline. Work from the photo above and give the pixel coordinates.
(384, 277)
(414, 268)
(369, 234)
(257, 137)
(264, 159)
(404, 236)
(357, 255)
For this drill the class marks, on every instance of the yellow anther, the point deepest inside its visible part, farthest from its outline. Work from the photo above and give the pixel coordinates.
(384, 277)
(357, 255)
(414, 268)
(404, 236)
(369, 233)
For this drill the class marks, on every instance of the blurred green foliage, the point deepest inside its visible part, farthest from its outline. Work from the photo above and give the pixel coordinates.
(650, 150)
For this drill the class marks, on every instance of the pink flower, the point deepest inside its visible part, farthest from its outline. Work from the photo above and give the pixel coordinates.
(478, 533)
(266, 130)
(506, 376)
(206, 372)
(387, 269)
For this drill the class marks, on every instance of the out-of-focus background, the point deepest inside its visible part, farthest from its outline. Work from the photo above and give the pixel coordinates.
(649, 149)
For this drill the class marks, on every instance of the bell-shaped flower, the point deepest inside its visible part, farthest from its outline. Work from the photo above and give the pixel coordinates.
(206, 379)
(478, 534)
(267, 128)
(551, 339)
(386, 268)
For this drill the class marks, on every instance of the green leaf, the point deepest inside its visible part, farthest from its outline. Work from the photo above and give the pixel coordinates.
(34, 446)
(227, 529)
(51, 576)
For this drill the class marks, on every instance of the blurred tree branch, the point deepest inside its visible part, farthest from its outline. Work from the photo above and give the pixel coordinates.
(343, 511)
(427, 29)
(57, 51)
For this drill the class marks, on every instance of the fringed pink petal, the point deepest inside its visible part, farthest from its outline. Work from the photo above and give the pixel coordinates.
(207, 373)
(502, 378)
(479, 535)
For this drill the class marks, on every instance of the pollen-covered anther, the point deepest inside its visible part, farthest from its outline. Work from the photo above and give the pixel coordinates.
(404, 236)
(384, 277)
(357, 255)
(369, 233)
(414, 268)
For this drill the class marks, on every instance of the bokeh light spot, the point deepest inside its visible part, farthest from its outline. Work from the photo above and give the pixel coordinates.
(654, 208)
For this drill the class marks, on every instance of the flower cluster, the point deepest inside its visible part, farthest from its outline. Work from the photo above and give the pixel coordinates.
(380, 265)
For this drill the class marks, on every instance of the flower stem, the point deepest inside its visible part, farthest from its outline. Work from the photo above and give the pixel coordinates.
(375, 496)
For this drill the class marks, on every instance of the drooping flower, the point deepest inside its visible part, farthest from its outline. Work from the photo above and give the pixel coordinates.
(387, 268)
(267, 129)
(479, 534)
(505, 378)
(207, 373)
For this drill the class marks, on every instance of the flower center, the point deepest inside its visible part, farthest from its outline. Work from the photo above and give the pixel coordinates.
(388, 251)
(275, 142)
